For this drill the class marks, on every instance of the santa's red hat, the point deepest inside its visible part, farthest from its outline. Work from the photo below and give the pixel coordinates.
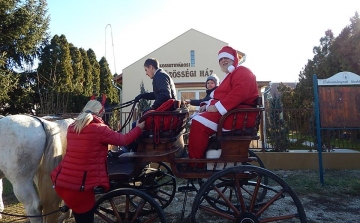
(230, 53)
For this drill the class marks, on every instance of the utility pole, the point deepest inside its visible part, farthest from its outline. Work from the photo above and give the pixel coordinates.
(112, 81)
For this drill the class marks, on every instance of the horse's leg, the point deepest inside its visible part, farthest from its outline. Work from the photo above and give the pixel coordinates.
(1, 200)
(26, 194)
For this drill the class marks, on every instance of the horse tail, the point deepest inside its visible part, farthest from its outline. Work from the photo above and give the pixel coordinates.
(52, 156)
(53, 147)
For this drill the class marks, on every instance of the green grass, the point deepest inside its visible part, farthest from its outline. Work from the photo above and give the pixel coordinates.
(346, 143)
(336, 142)
(336, 182)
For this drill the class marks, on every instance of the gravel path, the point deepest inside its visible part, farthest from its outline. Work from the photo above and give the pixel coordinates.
(319, 209)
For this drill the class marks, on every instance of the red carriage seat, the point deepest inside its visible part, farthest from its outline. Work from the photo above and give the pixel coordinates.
(163, 127)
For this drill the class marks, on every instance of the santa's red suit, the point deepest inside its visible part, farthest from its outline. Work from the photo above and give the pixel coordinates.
(238, 89)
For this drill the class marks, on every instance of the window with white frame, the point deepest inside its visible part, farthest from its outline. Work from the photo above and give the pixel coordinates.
(192, 58)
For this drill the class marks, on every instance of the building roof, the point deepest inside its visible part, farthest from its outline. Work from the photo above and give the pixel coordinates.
(185, 33)
(118, 79)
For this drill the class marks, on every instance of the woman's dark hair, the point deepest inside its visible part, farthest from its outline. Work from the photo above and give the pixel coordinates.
(153, 62)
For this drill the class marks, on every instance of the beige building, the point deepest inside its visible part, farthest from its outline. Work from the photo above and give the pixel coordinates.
(189, 59)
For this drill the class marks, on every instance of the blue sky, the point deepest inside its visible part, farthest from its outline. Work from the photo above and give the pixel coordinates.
(278, 36)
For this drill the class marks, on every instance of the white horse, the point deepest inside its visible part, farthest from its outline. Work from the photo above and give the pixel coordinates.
(30, 148)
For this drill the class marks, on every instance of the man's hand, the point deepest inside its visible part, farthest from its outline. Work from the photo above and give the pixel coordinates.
(212, 108)
(140, 96)
(202, 108)
(141, 124)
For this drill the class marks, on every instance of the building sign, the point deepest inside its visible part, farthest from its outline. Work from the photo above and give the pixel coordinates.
(342, 78)
(174, 65)
(189, 73)
(175, 73)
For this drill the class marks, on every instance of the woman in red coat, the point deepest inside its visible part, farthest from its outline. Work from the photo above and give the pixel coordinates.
(84, 165)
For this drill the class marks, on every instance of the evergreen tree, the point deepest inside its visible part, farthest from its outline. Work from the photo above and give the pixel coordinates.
(8, 82)
(287, 95)
(46, 78)
(320, 65)
(95, 71)
(106, 82)
(345, 48)
(276, 128)
(22, 96)
(333, 55)
(23, 33)
(23, 28)
(64, 69)
(106, 86)
(88, 77)
(55, 77)
(78, 69)
(291, 114)
(143, 104)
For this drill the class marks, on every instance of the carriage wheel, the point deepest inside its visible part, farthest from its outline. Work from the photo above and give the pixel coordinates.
(157, 180)
(115, 206)
(235, 199)
(259, 162)
(264, 180)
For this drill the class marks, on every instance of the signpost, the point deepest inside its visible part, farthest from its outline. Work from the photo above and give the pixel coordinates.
(337, 106)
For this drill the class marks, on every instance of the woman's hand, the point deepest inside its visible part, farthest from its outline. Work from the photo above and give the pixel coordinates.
(140, 124)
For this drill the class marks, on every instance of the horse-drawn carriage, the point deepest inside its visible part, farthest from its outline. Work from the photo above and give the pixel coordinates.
(234, 187)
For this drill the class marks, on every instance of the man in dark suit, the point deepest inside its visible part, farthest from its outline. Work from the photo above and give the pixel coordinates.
(163, 90)
(163, 86)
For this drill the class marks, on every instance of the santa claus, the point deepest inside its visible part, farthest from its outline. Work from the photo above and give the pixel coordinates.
(238, 89)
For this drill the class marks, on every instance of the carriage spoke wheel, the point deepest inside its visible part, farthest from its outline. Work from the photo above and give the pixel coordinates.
(115, 207)
(236, 198)
(225, 186)
(157, 180)
(264, 180)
